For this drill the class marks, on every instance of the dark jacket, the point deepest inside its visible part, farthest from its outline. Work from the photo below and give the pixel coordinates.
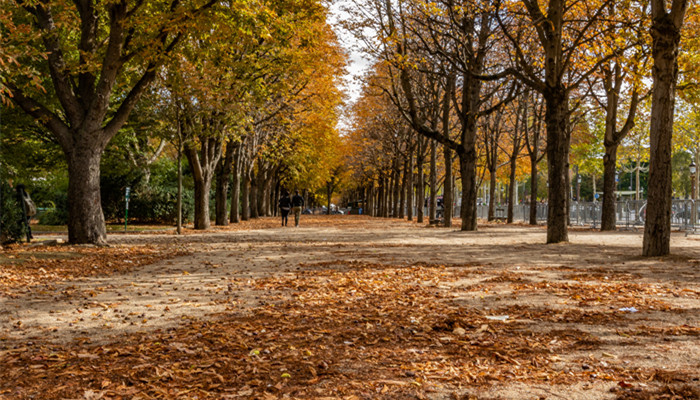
(297, 201)
(285, 203)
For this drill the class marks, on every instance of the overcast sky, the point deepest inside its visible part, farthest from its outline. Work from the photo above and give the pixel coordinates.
(358, 62)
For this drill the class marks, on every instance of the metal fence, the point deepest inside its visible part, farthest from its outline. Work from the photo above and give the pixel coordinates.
(629, 213)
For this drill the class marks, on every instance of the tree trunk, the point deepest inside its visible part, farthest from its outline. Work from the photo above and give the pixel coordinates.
(420, 187)
(558, 143)
(397, 190)
(666, 34)
(492, 194)
(245, 198)
(179, 180)
(261, 190)
(467, 169)
(203, 173)
(373, 199)
(378, 198)
(608, 217)
(220, 198)
(390, 195)
(202, 189)
(569, 195)
(533, 190)
(387, 197)
(448, 196)
(367, 201)
(270, 198)
(265, 201)
(223, 175)
(234, 214)
(274, 198)
(512, 187)
(381, 193)
(329, 192)
(471, 99)
(409, 188)
(433, 181)
(254, 197)
(86, 221)
(404, 185)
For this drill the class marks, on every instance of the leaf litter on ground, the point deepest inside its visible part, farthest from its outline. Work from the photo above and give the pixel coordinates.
(345, 329)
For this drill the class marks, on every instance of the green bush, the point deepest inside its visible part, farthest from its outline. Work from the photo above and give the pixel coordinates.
(159, 205)
(147, 205)
(152, 203)
(12, 229)
(112, 185)
(54, 216)
(50, 196)
(58, 213)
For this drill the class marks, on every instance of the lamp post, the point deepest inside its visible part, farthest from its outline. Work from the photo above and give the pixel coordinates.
(693, 192)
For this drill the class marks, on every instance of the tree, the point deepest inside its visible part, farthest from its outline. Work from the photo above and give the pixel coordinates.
(618, 79)
(492, 129)
(147, 132)
(100, 57)
(533, 125)
(667, 21)
(379, 140)
(514, 146)
(552, 58)
(448, 42)
(201, 116)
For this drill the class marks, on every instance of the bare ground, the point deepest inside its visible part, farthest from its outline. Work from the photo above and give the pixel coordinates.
(353, 307)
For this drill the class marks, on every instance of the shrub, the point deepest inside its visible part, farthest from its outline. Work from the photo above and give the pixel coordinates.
(12, 229)
(155, 202)
(159, 204)
(58, 213)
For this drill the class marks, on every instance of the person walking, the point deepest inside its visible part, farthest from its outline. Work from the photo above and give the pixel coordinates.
(285, 206)
(297, 204)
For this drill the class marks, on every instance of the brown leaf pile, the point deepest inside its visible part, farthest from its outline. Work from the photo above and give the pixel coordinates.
(22, 267)
(618, 294)
(368, 331)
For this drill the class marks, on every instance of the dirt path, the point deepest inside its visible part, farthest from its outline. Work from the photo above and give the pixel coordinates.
(501, 272)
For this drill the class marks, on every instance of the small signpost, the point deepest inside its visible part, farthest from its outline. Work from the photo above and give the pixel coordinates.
(126, 212)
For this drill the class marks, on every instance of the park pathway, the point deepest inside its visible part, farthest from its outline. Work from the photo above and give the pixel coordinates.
(217, 275)
(223, 271)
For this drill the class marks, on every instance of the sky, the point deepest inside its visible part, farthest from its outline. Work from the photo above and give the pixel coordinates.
(357, 60)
